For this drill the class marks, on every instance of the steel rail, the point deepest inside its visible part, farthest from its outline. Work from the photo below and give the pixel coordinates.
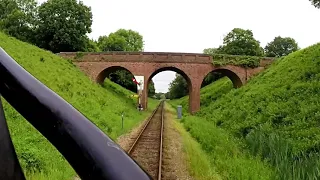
(144, 127)
(161, 141)
(161, 105)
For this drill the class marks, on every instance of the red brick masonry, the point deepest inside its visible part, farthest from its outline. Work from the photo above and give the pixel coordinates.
(193, 67)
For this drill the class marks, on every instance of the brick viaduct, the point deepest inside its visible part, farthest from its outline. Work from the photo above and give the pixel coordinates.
(193, 67)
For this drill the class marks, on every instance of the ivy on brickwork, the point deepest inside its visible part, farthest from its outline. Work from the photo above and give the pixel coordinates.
(243, 61)
(79, 55)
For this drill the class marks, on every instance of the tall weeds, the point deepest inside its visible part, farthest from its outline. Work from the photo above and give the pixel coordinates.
(279, 153)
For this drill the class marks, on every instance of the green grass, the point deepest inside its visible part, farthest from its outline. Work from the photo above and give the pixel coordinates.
(103, 106)
(209, 93)
(197, 160)
(273, 120)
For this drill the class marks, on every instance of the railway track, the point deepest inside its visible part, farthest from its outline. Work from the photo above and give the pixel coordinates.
(147, 148)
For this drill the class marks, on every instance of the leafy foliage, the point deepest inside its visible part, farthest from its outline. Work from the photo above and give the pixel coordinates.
(178, 87)
(281, 47)
(243, 61)
(63, 25)
(17, 18)
(241, 42)
(124, 79)
(91, 46)
(121, 40)
(160, 95)
(212, 51)
(316, 3)
(211, 77)
(151, 89)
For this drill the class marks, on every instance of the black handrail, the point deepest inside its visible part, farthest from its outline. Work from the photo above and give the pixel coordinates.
(91, 153)
(10, 167)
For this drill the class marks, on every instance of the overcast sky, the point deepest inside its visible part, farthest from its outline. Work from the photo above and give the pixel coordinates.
(191, 26)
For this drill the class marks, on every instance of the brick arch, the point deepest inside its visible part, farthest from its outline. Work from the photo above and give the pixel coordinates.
(107, 71)
(194, 66)
(169, 68)
(233, 76)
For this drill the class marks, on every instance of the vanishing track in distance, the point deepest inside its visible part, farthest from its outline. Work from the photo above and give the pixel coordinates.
(147, 148)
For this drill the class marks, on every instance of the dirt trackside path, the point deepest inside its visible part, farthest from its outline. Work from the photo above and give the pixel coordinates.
(174, 162)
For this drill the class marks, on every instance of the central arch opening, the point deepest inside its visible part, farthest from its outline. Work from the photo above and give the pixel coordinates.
(166, 81)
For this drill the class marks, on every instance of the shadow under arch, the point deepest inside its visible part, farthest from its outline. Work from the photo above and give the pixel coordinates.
(174, 69)
(112, 69)
(235, 79)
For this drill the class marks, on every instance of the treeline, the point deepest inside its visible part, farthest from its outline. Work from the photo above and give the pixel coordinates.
(62, 26)
(237, 42)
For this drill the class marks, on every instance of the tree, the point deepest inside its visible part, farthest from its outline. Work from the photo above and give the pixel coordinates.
(18, 18)
(121, 40)
(210, 78)
(124, 79)
(178, 87)
(281, 47)
(241, 42)
(151, 89)
(213, 50)
(63, 25)
(91, 46)
(167, 95)
(316, 3)
(102, 43)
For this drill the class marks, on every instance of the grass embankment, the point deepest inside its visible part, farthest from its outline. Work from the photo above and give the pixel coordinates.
(103, 106)
(272, 122)
(196, 160)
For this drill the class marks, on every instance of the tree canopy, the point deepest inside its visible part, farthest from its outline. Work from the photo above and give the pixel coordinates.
(281, 47)
(316, 3)
(121, 40)
(178, 87)
(63, 25)
(212, 51)
(18, 18)
(241, 42)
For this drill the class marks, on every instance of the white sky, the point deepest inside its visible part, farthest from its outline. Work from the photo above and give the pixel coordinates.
(191, 26)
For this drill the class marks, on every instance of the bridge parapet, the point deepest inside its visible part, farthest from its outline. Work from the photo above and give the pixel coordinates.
(158, 57)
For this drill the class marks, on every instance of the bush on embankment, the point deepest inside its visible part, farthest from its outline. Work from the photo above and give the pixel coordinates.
(274, 117)
(103, 106)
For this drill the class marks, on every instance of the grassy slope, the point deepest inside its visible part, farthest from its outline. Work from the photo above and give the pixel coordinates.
(103, 106)
(275, 116)
(225, 152)
(197, 161)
